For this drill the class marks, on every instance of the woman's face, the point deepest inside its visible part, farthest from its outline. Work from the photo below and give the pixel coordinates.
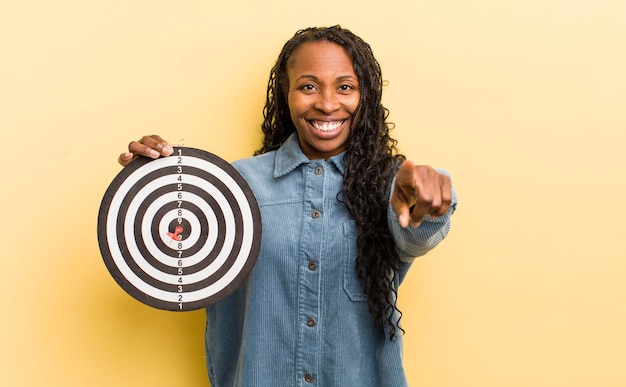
(323, 95)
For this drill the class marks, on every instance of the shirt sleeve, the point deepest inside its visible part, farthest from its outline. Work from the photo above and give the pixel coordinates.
(412, 242)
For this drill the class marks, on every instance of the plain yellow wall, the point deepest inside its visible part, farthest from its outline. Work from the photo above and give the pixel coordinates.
(523, 101)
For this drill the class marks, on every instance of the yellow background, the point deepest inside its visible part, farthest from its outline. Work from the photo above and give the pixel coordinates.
(523, 101)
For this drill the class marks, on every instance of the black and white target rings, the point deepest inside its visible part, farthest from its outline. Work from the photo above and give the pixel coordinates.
(181, 232)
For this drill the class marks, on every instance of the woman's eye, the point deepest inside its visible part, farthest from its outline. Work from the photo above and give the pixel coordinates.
(345, 87)
(308, 87)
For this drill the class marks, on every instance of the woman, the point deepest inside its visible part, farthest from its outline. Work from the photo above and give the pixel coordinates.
(343, 217)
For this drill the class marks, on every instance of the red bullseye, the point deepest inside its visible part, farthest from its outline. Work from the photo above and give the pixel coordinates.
(176, 235)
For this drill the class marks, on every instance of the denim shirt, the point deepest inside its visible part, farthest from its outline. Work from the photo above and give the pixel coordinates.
(301, 318)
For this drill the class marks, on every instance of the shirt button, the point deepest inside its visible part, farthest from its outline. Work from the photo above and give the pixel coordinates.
(309, 378)
(312, 265)
(310, 322)
(315, 214)
(319, 170)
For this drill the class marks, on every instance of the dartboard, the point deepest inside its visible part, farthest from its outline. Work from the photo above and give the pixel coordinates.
(180, 232)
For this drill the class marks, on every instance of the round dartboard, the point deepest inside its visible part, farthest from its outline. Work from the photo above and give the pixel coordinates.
(180, 232)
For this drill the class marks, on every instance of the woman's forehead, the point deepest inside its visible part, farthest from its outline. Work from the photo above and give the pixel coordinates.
(320, 54)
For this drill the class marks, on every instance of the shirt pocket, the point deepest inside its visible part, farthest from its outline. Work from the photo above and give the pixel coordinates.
(351, 282)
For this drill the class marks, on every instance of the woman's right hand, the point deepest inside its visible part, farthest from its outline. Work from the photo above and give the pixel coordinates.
(149, 146)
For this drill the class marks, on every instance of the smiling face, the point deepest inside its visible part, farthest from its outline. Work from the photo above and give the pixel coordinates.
(322, 97)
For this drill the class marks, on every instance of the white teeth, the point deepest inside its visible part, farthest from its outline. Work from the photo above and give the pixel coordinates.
(326, 126)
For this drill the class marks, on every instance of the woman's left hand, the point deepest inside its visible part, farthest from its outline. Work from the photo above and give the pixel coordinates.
(420, 191)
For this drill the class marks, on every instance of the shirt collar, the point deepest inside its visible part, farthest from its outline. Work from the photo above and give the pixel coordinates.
(289, 156)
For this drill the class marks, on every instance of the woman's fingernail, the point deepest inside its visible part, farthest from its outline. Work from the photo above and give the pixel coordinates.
(403, 220)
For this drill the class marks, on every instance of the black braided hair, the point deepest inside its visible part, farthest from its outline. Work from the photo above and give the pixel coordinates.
(371, 161)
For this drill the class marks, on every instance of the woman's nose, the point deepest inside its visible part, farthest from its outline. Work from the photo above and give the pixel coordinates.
(327, 102)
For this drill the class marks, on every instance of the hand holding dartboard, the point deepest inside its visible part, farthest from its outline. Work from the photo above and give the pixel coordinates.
(180, 232)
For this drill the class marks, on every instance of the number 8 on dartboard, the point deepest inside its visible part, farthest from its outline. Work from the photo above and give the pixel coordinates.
(180, 232)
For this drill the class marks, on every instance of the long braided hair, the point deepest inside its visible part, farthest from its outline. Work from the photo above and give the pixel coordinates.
(371, 161)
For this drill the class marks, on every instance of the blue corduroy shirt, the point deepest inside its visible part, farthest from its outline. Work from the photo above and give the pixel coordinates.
(301, 318)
